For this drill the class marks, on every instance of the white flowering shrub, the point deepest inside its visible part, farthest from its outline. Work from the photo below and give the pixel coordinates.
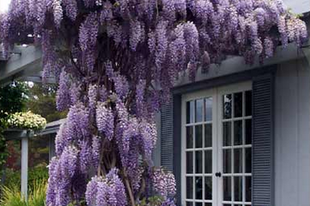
(26, 120)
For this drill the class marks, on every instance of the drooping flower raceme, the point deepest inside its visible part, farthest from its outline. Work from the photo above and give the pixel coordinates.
(164, 182)
(105, 120)
(115, 63)
(108, 190)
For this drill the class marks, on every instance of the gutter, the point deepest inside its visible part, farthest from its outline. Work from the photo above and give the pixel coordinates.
(237, 64)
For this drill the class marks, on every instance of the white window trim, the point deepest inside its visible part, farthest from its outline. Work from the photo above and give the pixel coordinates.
(216, 94)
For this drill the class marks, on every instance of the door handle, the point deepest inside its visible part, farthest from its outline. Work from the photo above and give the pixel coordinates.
(218, 174)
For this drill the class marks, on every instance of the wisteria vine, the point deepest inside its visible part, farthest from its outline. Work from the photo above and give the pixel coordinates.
(115, 62)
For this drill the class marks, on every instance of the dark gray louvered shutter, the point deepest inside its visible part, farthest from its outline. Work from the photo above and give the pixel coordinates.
(263, 137)
(167, 136)
(170, 140)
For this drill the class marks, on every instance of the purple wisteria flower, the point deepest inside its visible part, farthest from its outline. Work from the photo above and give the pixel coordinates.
(136, 35)
(105, 120)
(164, 182)
(92, 96)
(108, 190)
(63, 93)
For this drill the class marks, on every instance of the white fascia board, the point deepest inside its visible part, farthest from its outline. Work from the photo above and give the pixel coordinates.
(298, 6)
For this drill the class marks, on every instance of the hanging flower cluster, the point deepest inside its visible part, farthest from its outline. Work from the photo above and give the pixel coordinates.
(106, 191)
(26, 120)
(164, 182)
(115, 62)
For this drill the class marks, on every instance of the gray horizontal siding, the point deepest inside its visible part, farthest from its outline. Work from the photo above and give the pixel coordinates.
(292, 134)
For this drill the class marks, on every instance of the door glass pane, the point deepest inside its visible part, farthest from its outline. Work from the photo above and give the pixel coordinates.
(237, 160)
(198, 183)
(227, 161)
(248, 189)
(208, 135)
(238, 188)
(198, 204)
(189, 137)
(238, 132)
(208, 188)
(199, 110)
(208, 109)
(190, 112)
(227, 188)
(208, 204)
(208, 161)
(248, 160)
(238, 104)
(248, 103)
(226, 133)
(189, 188)
(248, 131)
(198, 136)
(189, 204)
(227, 106)
(198, 157)
(189, 162)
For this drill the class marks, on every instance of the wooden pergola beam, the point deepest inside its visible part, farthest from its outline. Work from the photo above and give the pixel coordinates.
(25, 63)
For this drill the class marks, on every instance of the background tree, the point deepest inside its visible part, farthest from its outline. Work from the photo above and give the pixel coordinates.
(116, 61)
(12, 99)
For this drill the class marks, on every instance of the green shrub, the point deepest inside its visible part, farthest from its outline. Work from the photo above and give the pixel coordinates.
(38, 194)
(39, 173)
(12, 196)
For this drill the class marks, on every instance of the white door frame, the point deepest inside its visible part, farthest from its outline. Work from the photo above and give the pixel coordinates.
(216, 94)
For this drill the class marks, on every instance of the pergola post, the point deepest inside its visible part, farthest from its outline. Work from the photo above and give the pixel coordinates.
(24, 166)
(51, 146)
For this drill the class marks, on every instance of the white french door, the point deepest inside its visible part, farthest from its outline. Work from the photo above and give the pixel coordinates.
(217, 146)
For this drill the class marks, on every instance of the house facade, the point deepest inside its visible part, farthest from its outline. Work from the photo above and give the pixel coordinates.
(240, 135)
